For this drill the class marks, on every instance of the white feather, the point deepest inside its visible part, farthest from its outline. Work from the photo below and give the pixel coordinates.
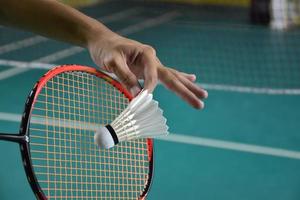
(141, 119)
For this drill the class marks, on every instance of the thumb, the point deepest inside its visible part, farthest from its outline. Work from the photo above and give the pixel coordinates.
(119, 67)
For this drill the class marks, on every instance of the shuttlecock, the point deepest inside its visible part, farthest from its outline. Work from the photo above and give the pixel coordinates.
(141, 119)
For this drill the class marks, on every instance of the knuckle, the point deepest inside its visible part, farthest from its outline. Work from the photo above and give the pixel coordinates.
(170, 86)
(171, 82)
(152, 79)
(168, 75)
(110, 62)
(149, 50)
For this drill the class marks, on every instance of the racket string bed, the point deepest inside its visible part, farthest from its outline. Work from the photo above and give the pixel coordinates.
(67, 162)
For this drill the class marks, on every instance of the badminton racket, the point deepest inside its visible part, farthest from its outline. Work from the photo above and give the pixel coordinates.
(56, 138)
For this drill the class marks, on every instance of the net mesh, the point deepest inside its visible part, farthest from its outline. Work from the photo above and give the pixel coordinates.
(67, 162)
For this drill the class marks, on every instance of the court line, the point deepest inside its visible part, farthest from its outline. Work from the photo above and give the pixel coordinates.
(59, 55)
(149, 23)
(193, 140)
(21, 44)
(22, 64)
(10, 117)
(11, 72)
(235, 146)
(208, 86)
(252, 90)
(38, 39)
(120, 15)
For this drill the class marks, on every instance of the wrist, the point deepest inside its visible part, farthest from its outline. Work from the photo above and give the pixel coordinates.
(97, 33)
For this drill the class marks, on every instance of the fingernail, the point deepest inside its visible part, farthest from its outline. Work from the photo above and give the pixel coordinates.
(202, 104)
(199, 105)
(205, 94)
(194, 77)
(135, 90)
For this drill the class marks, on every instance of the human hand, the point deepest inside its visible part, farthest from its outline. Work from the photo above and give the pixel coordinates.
(131, 60)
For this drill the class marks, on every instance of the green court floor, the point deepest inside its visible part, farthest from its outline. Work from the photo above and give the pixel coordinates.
(244, 145)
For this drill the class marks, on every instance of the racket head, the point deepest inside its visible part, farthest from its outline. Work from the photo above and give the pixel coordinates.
(28, 151)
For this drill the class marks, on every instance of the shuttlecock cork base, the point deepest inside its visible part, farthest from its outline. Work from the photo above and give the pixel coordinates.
(141, 119)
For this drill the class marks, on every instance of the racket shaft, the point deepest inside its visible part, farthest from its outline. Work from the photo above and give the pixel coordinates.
(13, 137)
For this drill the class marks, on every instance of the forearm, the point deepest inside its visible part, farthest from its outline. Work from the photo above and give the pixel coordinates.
(52, 19)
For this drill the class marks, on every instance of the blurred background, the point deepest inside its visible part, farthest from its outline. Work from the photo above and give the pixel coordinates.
(244, 145)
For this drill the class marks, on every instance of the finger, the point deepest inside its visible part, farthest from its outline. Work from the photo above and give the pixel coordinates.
(119, 67)
(150, 71)
(191, 77)
(150, 74)
(183, 77)
(198, 91)
(171, 82)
